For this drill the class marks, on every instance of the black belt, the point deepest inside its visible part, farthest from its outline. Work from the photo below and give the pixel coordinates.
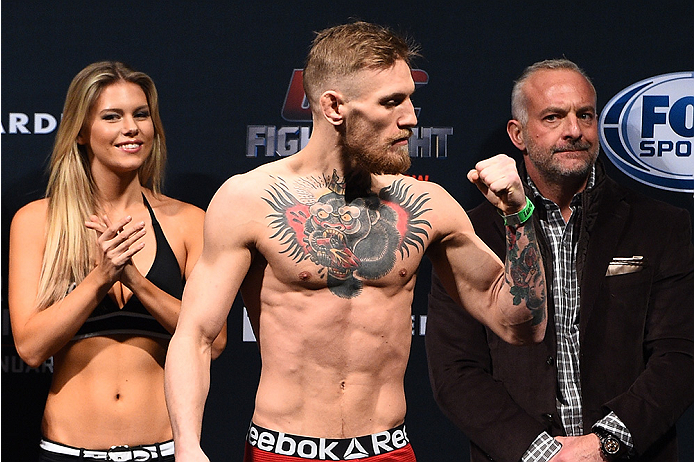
(115, 453)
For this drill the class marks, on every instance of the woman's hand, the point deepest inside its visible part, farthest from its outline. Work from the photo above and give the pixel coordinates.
(116, 244)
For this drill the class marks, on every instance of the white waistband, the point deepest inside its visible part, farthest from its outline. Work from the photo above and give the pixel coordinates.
(116, 453)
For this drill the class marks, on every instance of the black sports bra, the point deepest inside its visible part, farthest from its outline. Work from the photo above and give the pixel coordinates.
(133, 318)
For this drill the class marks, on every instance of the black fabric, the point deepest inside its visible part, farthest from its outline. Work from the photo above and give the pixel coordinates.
(45, 456)
(139, 452)
(133, 318)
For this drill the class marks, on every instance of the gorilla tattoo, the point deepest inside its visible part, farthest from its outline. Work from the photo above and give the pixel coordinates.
(348, 241)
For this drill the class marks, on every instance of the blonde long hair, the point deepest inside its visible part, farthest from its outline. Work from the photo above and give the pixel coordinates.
(69, 253)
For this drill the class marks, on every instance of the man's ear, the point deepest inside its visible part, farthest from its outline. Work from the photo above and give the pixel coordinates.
(515, 132)
(331, 104)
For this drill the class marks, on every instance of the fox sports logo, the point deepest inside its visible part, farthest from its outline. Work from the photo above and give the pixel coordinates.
(647, 131)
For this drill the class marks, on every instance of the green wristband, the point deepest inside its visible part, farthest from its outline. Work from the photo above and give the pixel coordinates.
(517, 219)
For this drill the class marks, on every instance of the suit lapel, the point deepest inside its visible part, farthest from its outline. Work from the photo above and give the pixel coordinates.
(602, 233)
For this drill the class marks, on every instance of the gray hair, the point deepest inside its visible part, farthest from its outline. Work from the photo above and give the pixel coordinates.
(519, 103)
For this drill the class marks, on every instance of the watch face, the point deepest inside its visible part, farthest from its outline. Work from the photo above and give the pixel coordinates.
(611, 445)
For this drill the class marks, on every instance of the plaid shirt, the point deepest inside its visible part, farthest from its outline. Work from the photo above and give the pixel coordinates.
(566, 292)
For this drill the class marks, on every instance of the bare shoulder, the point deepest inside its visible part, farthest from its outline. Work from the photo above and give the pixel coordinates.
(432, 190)
(237, 210)
(168, 208)
(440, 205)
(32, 216)
(425, 206)
(181, 222)
(442, 212)
(245, 189)
(28, 230)
(238, 193)
(242, 185)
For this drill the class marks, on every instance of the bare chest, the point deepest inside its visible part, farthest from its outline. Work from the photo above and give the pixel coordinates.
(314, 238)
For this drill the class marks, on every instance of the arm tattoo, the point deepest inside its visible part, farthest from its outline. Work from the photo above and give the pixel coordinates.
(348, 241)
(524, 270)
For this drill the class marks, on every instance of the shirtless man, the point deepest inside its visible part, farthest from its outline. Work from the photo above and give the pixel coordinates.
(324, 247)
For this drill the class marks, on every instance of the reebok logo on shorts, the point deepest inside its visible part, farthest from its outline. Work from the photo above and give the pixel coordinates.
(327, 448)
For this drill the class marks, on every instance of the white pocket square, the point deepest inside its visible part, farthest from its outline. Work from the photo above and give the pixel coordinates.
(625, 265)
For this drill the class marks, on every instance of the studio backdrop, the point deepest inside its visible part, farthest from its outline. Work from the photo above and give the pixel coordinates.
(229, 81)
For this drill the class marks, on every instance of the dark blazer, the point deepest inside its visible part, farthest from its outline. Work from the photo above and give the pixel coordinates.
(636, 335)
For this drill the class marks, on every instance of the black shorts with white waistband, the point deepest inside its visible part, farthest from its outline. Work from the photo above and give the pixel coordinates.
(50, 451)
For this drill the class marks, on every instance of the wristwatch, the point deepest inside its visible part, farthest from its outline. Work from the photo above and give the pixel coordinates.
(610, 446)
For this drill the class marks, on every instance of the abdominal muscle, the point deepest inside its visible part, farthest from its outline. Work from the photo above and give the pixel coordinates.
(108, 391)
(332, 367)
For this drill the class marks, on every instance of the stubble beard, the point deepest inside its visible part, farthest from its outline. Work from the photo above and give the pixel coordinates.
(554, 171)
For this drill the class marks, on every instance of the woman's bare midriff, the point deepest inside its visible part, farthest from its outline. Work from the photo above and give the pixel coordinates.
(108, 391)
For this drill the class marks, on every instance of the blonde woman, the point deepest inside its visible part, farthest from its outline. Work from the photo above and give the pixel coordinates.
(96, 273)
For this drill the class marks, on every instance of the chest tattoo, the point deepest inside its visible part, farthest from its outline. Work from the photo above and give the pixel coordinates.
(349, 242)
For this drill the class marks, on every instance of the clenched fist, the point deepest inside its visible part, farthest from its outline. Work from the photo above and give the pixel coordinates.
(497, 178)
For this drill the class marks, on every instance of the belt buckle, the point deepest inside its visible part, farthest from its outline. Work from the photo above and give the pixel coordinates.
(126, 453)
